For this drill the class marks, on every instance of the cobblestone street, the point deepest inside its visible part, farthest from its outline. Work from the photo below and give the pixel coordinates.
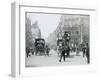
(53, 60)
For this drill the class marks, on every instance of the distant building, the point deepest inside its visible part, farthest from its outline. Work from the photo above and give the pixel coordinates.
(28, 32)
(35, 31)
(77, 25)
(32, 32)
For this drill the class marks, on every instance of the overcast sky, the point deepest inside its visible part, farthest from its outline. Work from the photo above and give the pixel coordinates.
(46, 22)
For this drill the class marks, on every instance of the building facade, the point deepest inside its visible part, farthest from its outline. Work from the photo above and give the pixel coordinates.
(77, 26)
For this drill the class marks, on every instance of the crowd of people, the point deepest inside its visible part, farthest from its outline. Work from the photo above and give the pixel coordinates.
(65, 51)
(63, 48)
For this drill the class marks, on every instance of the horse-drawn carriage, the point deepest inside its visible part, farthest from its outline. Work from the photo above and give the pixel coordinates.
(63, 39)
(63, 43)
(40, 46)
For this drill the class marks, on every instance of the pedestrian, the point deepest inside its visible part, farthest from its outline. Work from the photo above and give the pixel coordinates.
(62, 53)
(59, 50)
(27, 51)
(67, 51)
(87, 53)
(77, 51)
(47, 50)
(84, 50)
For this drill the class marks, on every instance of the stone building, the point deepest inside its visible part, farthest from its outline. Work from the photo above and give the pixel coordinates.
(77, 25)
